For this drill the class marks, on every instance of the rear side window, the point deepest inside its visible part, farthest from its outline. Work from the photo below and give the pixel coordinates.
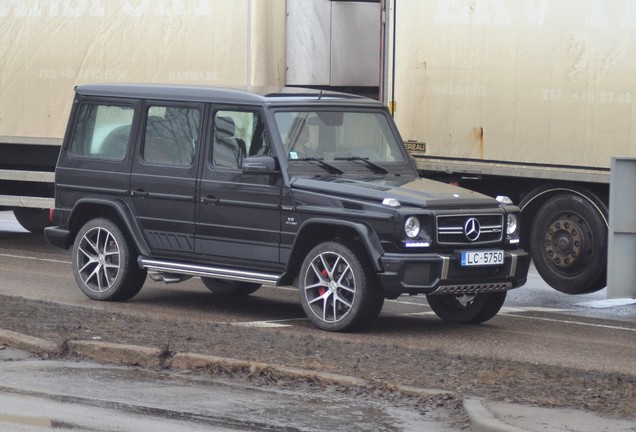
(102, 131)
(171, 135)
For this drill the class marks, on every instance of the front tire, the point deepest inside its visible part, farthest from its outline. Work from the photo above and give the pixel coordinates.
(104, 264)
(467, 309)
(569, 244)
(338, 289)
(230, 288)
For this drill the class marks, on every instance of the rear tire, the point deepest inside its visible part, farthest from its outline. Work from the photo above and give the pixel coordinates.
(467, 309)
(104, 264)
(230, 288)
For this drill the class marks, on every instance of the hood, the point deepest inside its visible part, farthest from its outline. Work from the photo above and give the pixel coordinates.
(418, 192)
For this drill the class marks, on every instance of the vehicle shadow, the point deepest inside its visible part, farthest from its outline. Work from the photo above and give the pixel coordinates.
(193, 300)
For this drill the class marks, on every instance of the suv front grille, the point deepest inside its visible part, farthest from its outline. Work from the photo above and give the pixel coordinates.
(469, 229)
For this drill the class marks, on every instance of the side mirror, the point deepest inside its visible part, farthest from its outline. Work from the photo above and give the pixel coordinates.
(259, 165)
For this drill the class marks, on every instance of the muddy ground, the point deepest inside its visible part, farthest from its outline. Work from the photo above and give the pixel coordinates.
(608, 394)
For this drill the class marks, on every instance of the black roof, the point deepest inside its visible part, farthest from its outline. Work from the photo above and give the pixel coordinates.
(247, 95)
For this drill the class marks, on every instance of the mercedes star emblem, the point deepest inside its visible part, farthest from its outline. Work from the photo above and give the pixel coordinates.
(472, 229)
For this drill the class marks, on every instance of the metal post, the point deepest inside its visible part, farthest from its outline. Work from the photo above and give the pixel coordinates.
(621, 260)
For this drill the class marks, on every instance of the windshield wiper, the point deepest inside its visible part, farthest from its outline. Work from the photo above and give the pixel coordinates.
(375, 168)
(332, 169)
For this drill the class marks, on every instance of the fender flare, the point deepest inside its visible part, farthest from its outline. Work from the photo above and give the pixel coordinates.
(370, 241)
(123, 211)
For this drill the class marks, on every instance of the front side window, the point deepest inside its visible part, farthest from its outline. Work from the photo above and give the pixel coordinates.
(171, 135)
(102, 131)
(237, 135)
(338, 135)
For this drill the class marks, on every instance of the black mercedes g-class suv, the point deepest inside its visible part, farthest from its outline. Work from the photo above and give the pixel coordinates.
(272, 186)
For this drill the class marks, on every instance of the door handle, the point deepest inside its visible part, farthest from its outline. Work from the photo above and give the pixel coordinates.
(139, 193)
(209, 200)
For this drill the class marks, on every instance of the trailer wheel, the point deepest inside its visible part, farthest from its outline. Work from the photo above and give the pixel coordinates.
(32, 219)
(104, 263)
(468, 308)
(230, 288)
(569, 244)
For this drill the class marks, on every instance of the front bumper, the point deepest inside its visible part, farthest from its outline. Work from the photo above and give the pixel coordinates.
(443, 274)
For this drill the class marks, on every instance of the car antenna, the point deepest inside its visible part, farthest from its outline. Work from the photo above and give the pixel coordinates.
(320, 95)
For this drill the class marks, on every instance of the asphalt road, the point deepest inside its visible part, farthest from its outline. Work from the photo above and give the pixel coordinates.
(537, 324)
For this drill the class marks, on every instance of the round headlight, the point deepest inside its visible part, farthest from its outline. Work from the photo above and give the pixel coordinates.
(412, 227)
(512, 224)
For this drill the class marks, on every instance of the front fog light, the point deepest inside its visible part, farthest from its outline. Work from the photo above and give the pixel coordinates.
(412, 227)
(512, 224)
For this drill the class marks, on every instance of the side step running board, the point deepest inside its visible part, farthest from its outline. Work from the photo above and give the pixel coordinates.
(155, 265)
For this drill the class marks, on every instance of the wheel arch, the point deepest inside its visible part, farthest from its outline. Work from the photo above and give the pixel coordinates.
(319, 230)
(532, 202)
(115, 210)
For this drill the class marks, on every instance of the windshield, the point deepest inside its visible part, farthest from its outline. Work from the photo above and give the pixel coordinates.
(333, 136)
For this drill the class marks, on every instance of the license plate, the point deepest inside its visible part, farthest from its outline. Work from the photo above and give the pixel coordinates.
(483, 258)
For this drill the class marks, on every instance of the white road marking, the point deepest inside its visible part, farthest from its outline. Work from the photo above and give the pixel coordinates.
(531, 309)
(35, 259)
(39, 422)
(515, 311)
(418, 313)
(264, 324)
(607, 303)
(410, 303)
(564, 321)
(260, 324)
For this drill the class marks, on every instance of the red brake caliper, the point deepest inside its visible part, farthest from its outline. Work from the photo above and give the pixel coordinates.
(323, 290)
